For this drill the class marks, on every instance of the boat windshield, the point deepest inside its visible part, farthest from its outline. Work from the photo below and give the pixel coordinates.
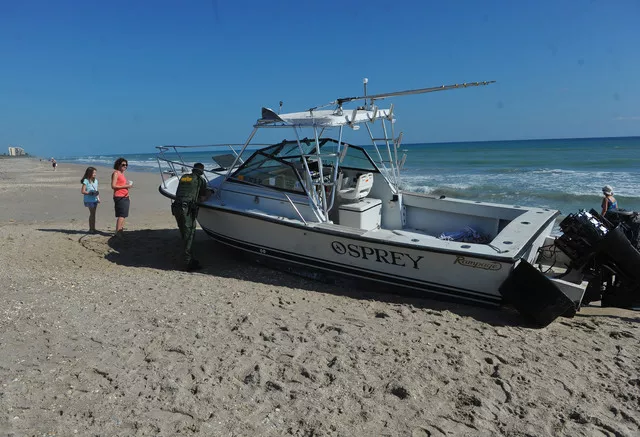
(264, 169)
(278, 166)
(356, 158)
(281, 165)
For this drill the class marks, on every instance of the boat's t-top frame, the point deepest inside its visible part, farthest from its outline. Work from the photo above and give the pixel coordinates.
(311, 164)
(319, 158)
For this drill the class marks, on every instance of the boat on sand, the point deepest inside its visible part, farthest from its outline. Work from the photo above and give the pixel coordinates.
(321, 201)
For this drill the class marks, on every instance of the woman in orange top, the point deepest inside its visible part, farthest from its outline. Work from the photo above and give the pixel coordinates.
(120, 188)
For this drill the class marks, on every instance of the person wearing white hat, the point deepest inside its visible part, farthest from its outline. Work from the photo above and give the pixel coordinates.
(609, 203)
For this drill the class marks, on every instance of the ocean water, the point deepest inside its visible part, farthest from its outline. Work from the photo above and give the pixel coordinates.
(563, 174)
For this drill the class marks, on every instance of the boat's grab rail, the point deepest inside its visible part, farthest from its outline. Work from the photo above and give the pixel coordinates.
(160, 157)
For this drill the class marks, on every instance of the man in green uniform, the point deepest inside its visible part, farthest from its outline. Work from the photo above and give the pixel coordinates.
(192, 189)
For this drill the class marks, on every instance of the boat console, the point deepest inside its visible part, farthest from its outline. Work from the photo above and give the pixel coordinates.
(356, 210)
(363, 214)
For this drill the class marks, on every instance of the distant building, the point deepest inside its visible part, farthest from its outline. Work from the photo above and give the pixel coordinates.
(16, 151)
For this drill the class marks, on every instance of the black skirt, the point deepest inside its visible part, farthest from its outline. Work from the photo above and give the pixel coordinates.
(121, 205)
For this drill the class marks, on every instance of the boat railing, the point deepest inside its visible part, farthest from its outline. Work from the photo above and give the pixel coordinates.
(175, 166)
(172, 168)
(295, 208)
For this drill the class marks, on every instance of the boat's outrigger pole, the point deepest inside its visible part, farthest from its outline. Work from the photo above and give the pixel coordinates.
(373, 97)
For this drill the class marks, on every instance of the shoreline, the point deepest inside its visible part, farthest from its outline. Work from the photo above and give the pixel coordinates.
(38, 194)
(102, 336)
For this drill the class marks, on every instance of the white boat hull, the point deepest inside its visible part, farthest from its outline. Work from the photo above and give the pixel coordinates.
(450, 274)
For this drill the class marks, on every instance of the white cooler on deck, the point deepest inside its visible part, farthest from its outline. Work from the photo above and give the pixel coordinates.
(364, 214)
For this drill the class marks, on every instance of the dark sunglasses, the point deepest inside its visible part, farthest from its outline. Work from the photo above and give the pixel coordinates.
(124, 165)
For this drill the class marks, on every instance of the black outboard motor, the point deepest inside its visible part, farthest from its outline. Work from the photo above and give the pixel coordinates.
(630, 223)
(581, 234)
(605, 254)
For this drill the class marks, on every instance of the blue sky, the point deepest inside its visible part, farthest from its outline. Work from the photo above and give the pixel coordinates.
(84, 77)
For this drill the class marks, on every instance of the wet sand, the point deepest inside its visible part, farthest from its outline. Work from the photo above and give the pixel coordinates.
(103, 336)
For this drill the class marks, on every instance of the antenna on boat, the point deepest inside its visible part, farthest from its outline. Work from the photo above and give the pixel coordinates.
(364, 83)
(409, 92)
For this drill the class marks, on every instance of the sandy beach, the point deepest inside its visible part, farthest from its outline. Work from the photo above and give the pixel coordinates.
(107, 337)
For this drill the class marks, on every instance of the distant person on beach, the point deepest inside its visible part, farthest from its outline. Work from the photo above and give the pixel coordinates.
(91, 195)
(192, 189)
(120, 187)
(609, 203)
(54, 164)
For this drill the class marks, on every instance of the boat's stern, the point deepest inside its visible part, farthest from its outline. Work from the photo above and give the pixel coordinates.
(522, 235)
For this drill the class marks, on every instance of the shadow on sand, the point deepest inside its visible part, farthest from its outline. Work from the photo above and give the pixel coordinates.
(161, 249)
